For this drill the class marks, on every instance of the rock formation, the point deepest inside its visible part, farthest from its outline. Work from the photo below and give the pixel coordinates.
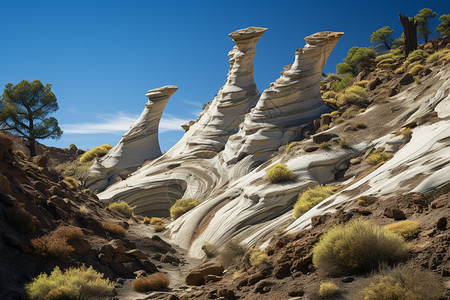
(140, 143)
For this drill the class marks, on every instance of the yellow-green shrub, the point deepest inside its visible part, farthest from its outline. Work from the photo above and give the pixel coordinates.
(329, 94)
(437, 56)
(362, 83)
(159, 227)
(74, 283)
(378, 157)
(343, 142)
(327, 289)
(403, 282)
(71, 183)
(153, 282)
(348, 114)
(360, 125)
(98, 151)
(384, 56)
(153, 220)
(122, 207)
(279, 173)
(182, 206)
(311, 198)
(358, 246)
(386, 62)
(292, 144)
(416, 69)
(407, 229)
(339, 121)
(416, 55)
(257, 258)
(325, 127)
(21, 154)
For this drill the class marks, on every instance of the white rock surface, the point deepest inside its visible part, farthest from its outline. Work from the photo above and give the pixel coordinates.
(140, 143)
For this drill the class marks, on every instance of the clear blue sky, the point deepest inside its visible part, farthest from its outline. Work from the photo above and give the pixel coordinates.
(102, 56)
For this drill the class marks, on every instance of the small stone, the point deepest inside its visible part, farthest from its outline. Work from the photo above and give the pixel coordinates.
(407, 79)
(394, 213)
(282, 271)
(296, 292)
(120, 280)
(263, 287)
(355, 161)
(136, 253)
(170, 259)
(255, 278)
(117, 246)
(322, 138)
(310, 148)
(442, 223)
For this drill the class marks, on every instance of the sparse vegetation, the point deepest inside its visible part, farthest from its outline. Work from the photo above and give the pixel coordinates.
(339, 121)
(182, 206)
(325, 127)
(360, 125)
(358, 246)
(311, 198)
(68, 232)
(159, 227)
(436, 56)
(378, 157)
(416, 55)
(21, 154)
(348, 114)
(71, 183)
(361, 83)
(52, 246)
(257, 258)
(74, 283)
(232, 254)
(352, 95)
(327, 289)
(153, 220)
(416, 69)
(343, 142)
(122, 207)
(289, 147)
(352, 63)
(403, 282)
(112, 228)
(98, 151)
(280, 173)
(153, 282)
(384, 56)
(407, 229)
(324, 146)
(365, 201)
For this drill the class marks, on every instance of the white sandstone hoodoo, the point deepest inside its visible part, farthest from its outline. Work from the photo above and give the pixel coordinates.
(140, 143)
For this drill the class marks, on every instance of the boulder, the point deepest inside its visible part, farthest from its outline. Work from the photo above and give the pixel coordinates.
(394, 213)
(407, 79)
(197, 275)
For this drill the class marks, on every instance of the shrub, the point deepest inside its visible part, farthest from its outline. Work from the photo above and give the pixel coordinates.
(84, 210)
(68, 232)
(361, 83)
(122, 207)
(339, 121)
(343, 83)
(20, 219)
(415, 70)
(360, 125)
(386, 62)
(358, 246)
(384, 56)
(362, 110)
(437, 56)
(280, 173)
(416, 55)
(21, 154)
(115, 229)
(324, 146)
(52, 246)
(72, 146)
(71, 183)
(327, 289)
(349, 113)
(334, 113)
(257, 258)
(159, 227)
(378, 157)
(74, 283)
(292, 144)
(98, 151)
(232, 254)
(153, 282)
(153, 220)
(403, 282)
(182, 206)
(343, 142)
(325, 127)
(311, 198)
(407, 229)
(329, 94)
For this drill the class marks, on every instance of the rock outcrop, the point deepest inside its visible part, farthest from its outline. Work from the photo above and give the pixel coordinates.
(140, 143)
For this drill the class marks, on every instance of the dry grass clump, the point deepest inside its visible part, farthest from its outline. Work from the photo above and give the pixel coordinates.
(159, 227)
(280, 173)
(362, 83)
(407, 229)
(437, 56)
(324, 146)
(182, 206)
(74, 283)
(416, 55)
(365, 201)
(122, 207)
(258, 258)
(378, 157)
(153, 220)
(288, 148)
(153, 282)
(386, 62)
(325, 127)
(348, 114)
(343, 142)
(358, 246)
(112, 228)
(360, 125)
(403, 282)
(416, 69)
(402, 69)
(71, 183)
(98, 151)
(20, 219)
(68, 232)
(232, 254)
(384, 56)
(339, 121)
(327, 289)
(84, 210)
(55, 245)
(311, 198)
(21, 154)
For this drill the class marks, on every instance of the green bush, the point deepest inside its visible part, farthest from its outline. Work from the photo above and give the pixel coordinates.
(98, 151)
(71, 183)
(182, 206)
(362, 83)
(403, 282)
(437, 56)
(378, 157)
(407, 229)
(360, 125)
(352, 95)
(416, 55)
(311, 198)
(327, 289)
(343, 142)
(340, 85)
(358, 246)
(74, 283)
(289, 147)
(232, 255)
(122, 207)
(279, 173)
(415, 70)
(384, 56)
(257, 258)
